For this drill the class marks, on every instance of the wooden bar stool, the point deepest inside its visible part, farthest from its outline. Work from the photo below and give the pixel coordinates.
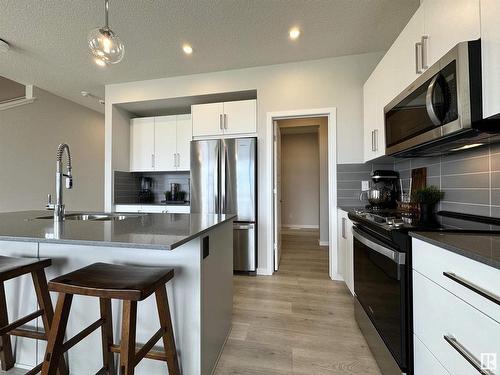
(11, 268)
(108, 281)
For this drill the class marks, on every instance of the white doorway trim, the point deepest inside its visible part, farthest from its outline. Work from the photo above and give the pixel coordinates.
(331, 113)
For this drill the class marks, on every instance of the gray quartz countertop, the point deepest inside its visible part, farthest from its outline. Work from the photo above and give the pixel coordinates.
(484, 248)
(148, 231)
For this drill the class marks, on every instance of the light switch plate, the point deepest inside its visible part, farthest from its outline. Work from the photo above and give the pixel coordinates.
(365, 185)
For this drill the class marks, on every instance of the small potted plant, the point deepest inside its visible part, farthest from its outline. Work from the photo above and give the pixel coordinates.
(427, 198)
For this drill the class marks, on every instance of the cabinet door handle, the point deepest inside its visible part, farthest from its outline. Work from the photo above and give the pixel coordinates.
(343, 229)
(225, 121)
(152, 160)
(475, 288)
(418, 57)
(375, 136)
(373, 140)
(178, 160)
(469, 357)
(221, 126)
(425, 50)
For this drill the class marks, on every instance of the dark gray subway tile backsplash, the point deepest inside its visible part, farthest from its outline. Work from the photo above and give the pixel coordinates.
(470, 179)
(128, 185)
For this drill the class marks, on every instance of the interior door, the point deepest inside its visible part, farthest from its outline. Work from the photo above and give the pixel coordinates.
(277, 195)
(165, 143)
(142, 150)
(184, 137)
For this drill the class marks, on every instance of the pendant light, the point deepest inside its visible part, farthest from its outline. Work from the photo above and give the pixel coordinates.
(104, 44)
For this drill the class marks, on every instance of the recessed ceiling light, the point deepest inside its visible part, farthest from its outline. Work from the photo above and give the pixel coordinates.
(99, 62)
(188, 50)
(294, 33)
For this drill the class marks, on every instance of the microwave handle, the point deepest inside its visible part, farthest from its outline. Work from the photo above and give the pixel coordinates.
(428, 101)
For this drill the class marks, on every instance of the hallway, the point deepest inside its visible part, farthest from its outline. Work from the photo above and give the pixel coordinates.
(297, 321)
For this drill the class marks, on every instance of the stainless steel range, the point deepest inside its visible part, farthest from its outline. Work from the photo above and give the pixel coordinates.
(382, 278)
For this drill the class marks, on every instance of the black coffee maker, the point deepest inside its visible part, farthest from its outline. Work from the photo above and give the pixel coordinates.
(383, 191)
(146, 194)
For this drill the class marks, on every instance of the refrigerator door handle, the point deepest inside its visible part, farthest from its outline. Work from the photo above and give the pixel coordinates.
(223, 175)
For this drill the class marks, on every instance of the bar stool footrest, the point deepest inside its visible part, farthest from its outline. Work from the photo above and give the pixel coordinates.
(82, 334)
(29, 332)
(157, 355)
(5, 330)
(35, 370)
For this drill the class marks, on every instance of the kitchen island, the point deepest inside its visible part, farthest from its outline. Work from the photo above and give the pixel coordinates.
(199, 247)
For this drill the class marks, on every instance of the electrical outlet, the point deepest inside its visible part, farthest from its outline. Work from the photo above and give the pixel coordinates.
(365, 185)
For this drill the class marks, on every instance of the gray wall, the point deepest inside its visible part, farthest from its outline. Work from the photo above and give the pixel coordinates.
(29, 136)
(300, 180)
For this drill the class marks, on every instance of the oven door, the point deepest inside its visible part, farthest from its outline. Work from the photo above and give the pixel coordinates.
(379, 284)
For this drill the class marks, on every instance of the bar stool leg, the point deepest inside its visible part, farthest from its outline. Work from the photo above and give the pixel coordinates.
(54, 352)
(168, 337)
(6, 347)
(127, 345)
(107, 336)
(43, 297)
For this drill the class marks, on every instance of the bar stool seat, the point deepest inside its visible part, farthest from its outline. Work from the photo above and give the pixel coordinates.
(110, 281)
(15, 267)
(11, 268)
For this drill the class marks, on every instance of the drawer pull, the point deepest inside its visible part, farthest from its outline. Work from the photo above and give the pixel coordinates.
(462, 350)
(477, 289)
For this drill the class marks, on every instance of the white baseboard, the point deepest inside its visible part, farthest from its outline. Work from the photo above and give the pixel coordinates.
(264, 272)
(323, 243)
(337, 277)
(299, 226)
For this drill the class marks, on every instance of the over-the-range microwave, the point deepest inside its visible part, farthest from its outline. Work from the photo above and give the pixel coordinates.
(442, 111)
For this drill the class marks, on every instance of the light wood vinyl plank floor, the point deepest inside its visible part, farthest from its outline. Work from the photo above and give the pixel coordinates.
(297, 321)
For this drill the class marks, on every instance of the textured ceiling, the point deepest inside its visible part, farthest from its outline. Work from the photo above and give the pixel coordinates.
(48, 37)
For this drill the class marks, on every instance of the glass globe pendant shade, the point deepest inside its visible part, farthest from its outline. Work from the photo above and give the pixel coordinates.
(105, 46)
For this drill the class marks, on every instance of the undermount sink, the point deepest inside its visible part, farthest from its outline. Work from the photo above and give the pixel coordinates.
(90, 217)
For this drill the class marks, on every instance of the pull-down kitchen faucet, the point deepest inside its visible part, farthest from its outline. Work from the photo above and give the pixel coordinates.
(58, 207)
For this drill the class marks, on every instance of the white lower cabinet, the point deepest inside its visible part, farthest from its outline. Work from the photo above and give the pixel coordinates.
(425, 362)
(152, 209)
(345, 253)
(452, 321)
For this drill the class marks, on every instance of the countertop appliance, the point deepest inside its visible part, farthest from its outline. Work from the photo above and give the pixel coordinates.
(442, 111)
(146, 194)
(224, 180)
(383, 191)
(383, 282)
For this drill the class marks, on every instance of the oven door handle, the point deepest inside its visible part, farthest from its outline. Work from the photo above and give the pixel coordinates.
(395, 256)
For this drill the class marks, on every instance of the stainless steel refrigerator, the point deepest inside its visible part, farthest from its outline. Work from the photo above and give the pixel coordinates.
(224, 180)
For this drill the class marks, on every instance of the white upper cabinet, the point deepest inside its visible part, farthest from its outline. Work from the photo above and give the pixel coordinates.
(490, 55)
(228, 118)
(207, 119)
(447, 23)
(184, 137)
(160, 143)
(240, 117)
(165, 149)
(142, 144)
(425, 39)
